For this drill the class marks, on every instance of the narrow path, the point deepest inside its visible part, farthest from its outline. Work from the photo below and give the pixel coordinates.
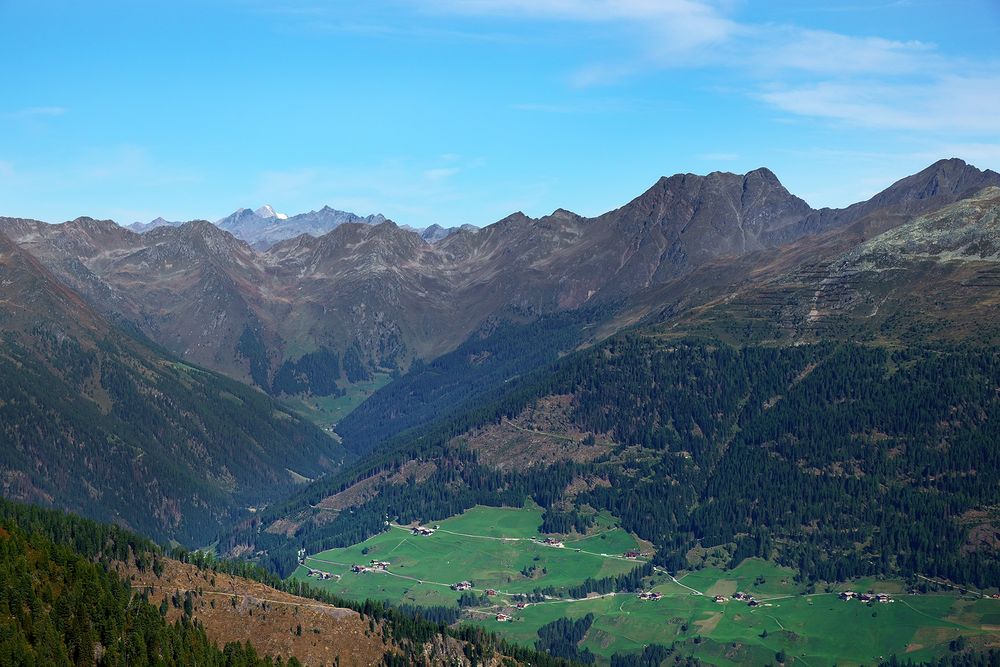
(676, 580)
(533, 541)
(943, 583)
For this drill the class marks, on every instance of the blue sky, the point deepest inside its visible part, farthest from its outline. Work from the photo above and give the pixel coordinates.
(456, 111)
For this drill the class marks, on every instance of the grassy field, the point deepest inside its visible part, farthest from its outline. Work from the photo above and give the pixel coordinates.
(492, 546)
(326, 411)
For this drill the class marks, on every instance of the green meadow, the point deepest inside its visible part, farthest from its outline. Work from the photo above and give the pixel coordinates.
(326, 411)
(499, 547)
(496, 548)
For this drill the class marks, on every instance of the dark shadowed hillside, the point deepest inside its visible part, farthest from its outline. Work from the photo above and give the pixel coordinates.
(103, 424)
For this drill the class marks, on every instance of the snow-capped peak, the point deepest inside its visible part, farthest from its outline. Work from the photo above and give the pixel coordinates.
(266, 211)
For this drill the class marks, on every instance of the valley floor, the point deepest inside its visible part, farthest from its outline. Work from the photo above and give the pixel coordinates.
(500, 550)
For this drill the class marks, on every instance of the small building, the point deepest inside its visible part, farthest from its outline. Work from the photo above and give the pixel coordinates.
(490, 592)
(739, 595)
(502, 617)
(461, 586)
(882, 597)
(848, 595)
(380, 564)
(720, 598)
(522, 605)
(422, 530)
(650, 595)
(752, 602)
(359, 569)
(631, 554)
(865, 597)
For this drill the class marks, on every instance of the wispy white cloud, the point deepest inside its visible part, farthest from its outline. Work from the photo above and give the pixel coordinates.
(954, 103)
(38, 112)
(774, 49)
(440, 173)
(862, 80)
(669, 28)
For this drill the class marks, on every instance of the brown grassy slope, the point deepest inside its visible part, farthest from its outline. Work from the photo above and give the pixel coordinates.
(236, 609)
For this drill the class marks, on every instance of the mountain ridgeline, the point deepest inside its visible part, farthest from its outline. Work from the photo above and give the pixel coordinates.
(377, 297)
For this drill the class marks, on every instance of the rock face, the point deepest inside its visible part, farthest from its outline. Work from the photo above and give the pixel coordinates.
(377, 296)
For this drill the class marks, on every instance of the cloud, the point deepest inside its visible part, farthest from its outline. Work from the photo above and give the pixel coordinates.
(777, 48)
(856, 80)
(38, 112)
(670, 27)
(440, 173)
(952, 103)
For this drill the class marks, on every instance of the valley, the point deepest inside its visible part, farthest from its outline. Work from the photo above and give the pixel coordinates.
(390, 426)
(494, 548)
(500, 333)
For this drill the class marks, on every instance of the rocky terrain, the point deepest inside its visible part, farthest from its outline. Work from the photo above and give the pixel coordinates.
(377, 296)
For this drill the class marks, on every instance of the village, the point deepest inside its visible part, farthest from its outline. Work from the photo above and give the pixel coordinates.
(866, 597)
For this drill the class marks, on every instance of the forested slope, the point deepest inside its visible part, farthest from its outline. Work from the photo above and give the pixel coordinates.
(107, 425)
(842, 459)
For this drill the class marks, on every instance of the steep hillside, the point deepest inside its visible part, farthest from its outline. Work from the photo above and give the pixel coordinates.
(103, 424)
(931, 279)
(79, 592)
(842, 460)
(63, 606)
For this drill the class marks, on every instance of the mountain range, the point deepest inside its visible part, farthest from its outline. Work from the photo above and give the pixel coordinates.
(370, 296)
(832, 405)
(730, 256)
(263, 227)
